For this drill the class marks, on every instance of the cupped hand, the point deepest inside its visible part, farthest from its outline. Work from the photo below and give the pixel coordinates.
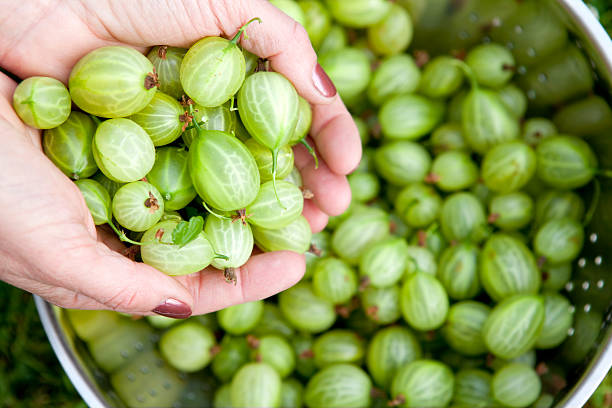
(48, 242)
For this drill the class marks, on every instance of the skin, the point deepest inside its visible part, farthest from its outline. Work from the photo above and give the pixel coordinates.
(48, 242)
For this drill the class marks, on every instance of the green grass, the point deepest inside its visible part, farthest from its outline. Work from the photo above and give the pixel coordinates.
(30, 375)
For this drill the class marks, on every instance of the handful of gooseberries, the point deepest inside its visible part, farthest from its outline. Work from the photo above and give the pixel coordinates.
(186, 202)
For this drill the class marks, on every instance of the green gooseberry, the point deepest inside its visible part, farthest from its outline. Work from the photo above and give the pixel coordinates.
(338, 386)
(293, 237)
(514, 99)
(268, 105)
(42, 102)
(559, 240)
(123, 150)
(113, 82)
(383, 264)
(493, 65)
(302, 126)
(441, 78)
(396, 75)
(334, 40)
(167, 63)
(220, 118)
(516, 385)
(514, 325)
(213, 70)
(393, 34)
(473, 389)
(291, 8)
(334, 280)
(231, 238)
(410, 117)
(223, 171)
(458, 270)
(508, 267)
(161, 119)
(507, 167)
(338, 346)
(358, 13)
(558, 319)
(381, 305)
(486, 121)
(306, 311)
(69, 146)
(586, 117)
(537, 129)
(447, 137)
(453, 170)
(317, 20)
(349, 69)
(97, 199)
(358, 232)
(187, 346)
(365, 186)
(138, 206)
(391, 348)
(164, 255)
(275, 351)
(565, 162)
(265, 160)
(420, 259)
(275, 210)
(170, 175)
(424, 302)
(511, 211)
(423, 383)
(234, 353)
(291, 393)
(241, 318)
(256, 385)
(462, 217)
(402, 162)
(110, 185)
(463, 328)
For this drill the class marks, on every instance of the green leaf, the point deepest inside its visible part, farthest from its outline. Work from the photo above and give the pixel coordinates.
(185, 232)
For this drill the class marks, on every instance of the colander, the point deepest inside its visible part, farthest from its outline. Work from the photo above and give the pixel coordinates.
(447, 25)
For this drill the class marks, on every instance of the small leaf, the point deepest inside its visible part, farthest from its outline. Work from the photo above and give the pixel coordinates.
(185, 232)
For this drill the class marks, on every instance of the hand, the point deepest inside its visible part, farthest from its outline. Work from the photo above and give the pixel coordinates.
(48, 242)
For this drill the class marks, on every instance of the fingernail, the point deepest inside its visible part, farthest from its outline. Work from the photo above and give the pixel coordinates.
(323, 83)
(173, 308)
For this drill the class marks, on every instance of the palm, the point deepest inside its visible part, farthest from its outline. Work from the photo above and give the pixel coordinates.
(62, 223)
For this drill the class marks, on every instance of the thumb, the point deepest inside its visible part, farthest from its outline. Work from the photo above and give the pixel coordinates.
(286, 44)
(123, 285)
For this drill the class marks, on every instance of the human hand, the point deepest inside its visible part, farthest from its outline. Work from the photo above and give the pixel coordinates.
(49, 244)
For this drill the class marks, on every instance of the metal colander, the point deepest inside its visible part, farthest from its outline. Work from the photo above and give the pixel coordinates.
(449, 25)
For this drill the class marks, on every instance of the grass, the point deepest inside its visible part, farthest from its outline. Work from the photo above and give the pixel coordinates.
(30, 374)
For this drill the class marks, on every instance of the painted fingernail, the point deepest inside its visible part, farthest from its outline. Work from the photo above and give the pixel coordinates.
(173, 308)
(323, 83)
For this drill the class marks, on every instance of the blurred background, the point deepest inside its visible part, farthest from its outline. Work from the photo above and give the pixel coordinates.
(30, 374)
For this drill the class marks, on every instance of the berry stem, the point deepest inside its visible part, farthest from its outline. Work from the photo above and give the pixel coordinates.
(311, 151)
(242, 29)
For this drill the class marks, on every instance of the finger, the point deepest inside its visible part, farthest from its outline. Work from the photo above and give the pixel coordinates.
(332, 193)
(278, 37)
(95, 271)
(316, 218)
(262, 276)
(336, 137)
(285, 43)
